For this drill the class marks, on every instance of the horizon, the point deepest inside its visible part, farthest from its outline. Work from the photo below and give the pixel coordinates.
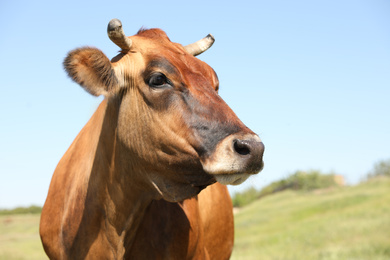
(311, 79)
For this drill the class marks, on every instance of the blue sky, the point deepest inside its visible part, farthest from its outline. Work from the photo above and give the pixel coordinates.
(312, 78)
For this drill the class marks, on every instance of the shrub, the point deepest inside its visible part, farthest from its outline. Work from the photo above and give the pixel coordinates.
(241, 199)
(381, 168)
(310, 180)
(300, 180)
(21, 210)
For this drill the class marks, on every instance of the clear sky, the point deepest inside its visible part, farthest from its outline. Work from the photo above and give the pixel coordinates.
(312, 78)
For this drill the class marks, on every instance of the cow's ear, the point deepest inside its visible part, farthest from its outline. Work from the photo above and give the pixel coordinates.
(90, 68)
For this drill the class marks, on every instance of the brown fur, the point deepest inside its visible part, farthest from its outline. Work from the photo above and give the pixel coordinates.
(90, 68)
(154, 33)
(129, 185)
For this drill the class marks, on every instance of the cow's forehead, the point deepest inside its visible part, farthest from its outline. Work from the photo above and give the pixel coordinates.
(158, 52)
(155, 41)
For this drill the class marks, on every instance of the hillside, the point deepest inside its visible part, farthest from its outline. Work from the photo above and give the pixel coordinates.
(336, 223)
(19, 237)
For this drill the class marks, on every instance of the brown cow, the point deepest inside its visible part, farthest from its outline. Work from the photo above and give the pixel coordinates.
(129, 185)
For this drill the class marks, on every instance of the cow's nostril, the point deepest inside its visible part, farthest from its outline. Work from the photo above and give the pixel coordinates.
(241, 147)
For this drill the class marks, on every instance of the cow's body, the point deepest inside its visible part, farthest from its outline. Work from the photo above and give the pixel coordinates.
(127, 188)
(74, 224)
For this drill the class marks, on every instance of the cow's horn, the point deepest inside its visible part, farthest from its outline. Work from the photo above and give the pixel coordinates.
(116, 34)
(200, 46)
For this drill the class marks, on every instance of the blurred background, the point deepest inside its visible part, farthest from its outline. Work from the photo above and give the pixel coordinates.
(312, 78)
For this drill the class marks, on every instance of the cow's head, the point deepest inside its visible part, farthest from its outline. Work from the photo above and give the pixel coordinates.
(171, 120)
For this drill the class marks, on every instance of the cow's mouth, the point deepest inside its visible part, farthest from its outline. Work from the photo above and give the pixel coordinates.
(232, 179)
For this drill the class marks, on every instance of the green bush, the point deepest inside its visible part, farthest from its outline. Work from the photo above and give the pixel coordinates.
(241, 199)
(21, 210)
(310, 180)
(381, 168)
(300, 180)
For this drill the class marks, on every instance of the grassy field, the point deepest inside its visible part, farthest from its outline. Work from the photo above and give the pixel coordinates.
(338, 223)
(19, 237)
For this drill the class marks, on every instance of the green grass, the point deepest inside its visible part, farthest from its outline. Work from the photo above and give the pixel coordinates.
(336, 223)
(19, 237)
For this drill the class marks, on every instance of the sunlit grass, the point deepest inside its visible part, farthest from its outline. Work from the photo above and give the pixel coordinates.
(19, 237)
(338, 223)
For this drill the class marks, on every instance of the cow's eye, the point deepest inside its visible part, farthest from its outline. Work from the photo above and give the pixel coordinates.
(158, 80)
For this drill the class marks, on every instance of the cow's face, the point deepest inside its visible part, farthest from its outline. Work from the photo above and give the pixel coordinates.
(171, 121)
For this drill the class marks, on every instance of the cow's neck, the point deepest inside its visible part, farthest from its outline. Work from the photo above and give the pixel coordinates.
(126, 194)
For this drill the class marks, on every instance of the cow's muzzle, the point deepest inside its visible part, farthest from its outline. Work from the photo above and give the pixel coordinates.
(235, 158)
